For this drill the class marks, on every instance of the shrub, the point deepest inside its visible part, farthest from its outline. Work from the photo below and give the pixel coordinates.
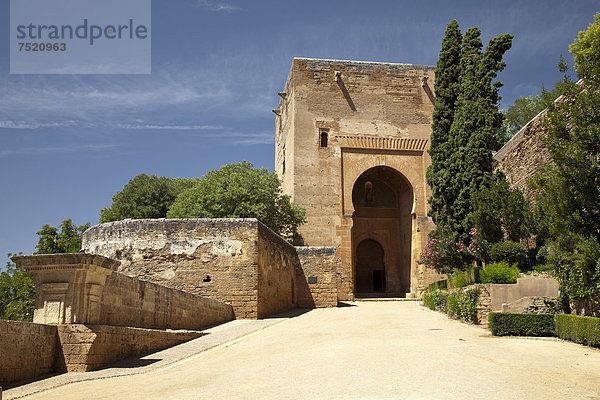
(512, 252)
(499, 272)
(506, 324)
(445, 253)
(436, 300)
(439, 285)
(460, 279)
(584, 330)
(461, 304)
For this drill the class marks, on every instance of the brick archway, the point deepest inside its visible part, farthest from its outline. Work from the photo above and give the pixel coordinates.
(382, 233)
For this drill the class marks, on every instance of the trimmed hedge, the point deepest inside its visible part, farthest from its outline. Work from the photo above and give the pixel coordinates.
(584, 330)
(506, 324)
(461, 304)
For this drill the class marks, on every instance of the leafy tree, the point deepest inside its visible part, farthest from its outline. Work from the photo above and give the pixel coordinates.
(570, 200)
(67, 240)
(586, 53)
(17, 293)
(464, 161)
(145, 196)
(527, 107)
(501, 211)
(446, 92)
(240, 191)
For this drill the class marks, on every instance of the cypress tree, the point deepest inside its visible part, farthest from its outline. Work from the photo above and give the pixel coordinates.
(446, 92)
(466, 155)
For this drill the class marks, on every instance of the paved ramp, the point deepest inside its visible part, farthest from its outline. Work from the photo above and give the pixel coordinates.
(367, 350)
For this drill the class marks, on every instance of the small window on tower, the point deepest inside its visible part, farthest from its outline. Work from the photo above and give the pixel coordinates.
(323, 138)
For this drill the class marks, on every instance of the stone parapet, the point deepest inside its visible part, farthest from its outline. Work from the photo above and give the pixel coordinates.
(90, 347)
(85, 289)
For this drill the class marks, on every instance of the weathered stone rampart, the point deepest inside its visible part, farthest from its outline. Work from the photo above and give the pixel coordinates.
(238, 261)
(98, 316)
(128, 301)
(27, 350)
(85, 289)
(277, 264)
(318, 277)
(523, 155)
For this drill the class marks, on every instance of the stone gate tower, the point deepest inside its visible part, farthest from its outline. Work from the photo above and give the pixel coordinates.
(351, 148)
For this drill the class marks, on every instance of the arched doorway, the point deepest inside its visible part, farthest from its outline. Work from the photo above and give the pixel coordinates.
(370, 268)
(381, 233)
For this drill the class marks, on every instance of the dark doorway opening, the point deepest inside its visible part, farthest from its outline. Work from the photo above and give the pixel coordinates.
(379, 280)
(370, 268)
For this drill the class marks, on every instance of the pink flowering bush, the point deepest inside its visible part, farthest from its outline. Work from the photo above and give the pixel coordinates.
(444, 253)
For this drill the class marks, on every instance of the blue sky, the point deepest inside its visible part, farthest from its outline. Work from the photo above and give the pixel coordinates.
(68, 143)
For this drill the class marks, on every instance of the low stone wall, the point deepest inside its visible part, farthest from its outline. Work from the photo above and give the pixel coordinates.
(128, 301)
(85, 289)
(525, 287)
(494, 295)
(89, 347)
(317, 278)
(277, 263)
(27, 350)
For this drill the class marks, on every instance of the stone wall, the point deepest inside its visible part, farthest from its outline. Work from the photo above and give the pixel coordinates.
(27, 350)
(523, 155)
(494, 295)
(128, 301)
(30, 350)
(89, 347)
(84, 288)
(317, 278)
(215, 258)
(230, 260)
(277, 263)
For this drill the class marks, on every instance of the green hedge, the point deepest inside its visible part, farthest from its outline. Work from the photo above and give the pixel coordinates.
(461, 304)
(584, 330)
(506, 324)
(499, 272)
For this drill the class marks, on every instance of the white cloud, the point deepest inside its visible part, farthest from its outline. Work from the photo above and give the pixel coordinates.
(141, 125)
(217, 6)
(56, 149)
(34, 125)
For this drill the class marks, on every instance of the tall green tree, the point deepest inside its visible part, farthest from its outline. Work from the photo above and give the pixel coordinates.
(145, 196)
(526, 108)
(500, 211)
(17, 293)
(571, 183)
(64, 239)
(446, 92)
(241, 191)
(466, 157)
